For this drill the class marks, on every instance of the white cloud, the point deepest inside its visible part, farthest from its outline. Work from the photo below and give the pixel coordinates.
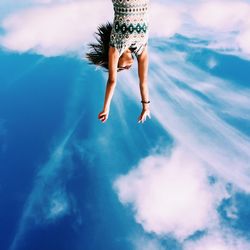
(226, 23)
(218, 241)
(54, 29)
(244, 41)
(171, 195)
(168, 20)
(222, 15)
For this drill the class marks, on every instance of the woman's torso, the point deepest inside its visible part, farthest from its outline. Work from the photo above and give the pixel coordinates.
(130, 26)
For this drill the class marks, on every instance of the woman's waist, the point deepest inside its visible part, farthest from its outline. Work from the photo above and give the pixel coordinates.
(127, 39)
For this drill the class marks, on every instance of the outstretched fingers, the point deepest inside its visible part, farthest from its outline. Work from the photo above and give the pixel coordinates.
(142, 118)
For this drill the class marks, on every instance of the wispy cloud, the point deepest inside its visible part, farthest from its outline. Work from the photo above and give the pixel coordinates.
(49, 193)
(58, 206)
(192, 101)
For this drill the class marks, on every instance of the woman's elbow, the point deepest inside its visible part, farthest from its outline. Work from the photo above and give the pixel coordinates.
(111, 82)
(144, 82)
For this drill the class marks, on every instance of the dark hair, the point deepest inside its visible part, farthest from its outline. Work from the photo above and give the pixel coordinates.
(99, 51)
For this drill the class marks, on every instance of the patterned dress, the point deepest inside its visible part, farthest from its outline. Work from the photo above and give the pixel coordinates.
(130, 26)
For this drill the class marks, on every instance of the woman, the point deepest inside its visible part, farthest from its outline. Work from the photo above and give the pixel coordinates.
(116, 45)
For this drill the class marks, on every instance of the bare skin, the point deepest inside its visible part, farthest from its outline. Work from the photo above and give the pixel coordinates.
(125, 62)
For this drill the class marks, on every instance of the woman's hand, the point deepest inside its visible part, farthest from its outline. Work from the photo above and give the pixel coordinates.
(144, 114)
(103, 116)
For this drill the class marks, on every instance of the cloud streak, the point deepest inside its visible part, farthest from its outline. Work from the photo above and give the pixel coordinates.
(52, 206)
(49, 199)
(192, 100)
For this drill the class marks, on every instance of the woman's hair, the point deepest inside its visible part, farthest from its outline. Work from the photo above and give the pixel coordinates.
(99, 51)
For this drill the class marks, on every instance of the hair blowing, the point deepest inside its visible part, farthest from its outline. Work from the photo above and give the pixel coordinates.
(99, 51)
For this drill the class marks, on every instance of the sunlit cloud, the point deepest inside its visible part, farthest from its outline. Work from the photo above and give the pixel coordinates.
(226, 23)
(60, 27)
(53, 29)
(56, 28)
(168, 20)
(171, 196)
(225, 16)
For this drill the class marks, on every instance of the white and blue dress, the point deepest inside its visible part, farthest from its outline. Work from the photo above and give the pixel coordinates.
(130, 26)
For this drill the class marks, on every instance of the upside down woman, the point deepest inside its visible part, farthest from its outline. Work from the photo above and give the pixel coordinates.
(116, 45)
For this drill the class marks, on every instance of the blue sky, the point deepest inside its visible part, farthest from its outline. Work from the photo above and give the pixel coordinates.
(179, 181)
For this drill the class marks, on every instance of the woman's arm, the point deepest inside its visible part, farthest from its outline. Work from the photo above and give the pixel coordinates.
(143, 81)
(111, 83)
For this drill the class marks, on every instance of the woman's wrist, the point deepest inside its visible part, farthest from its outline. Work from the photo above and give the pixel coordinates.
(145, 101)
(106, 105)
(145, 104)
